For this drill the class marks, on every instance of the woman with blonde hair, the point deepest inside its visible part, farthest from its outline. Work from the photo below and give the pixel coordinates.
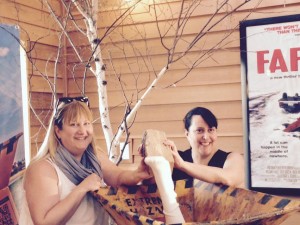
(69, 166)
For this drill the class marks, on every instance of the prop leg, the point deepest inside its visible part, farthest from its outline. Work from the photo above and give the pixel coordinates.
(163, 177)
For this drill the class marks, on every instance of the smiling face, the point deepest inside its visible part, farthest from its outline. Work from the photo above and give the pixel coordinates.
(201, 137)
(76, 136)
(75, 130)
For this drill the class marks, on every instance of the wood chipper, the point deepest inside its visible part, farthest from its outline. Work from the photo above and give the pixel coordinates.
(200, 202)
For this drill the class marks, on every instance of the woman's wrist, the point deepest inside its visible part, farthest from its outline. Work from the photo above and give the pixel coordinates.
(80, 190)
(182, 165)
(137, 176)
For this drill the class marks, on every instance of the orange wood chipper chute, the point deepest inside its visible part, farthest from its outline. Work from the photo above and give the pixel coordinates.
(200, 202)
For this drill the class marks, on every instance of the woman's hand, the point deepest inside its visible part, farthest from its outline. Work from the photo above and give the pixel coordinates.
(143, 171)
(178, 161)
(91, 183)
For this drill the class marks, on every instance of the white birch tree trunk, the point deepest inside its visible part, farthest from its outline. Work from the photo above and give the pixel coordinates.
(89, 11)
(91, 18)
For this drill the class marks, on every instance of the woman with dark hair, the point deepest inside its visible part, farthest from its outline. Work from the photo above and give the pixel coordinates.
(203, 160)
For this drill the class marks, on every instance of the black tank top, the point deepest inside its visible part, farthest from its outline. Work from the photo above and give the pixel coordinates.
(217, 160)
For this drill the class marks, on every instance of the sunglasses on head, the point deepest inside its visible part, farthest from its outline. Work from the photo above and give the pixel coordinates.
(67, 100)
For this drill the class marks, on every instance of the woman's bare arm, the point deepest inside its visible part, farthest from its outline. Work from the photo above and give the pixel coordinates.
(115, 176)
(41, 186)
(232, 174)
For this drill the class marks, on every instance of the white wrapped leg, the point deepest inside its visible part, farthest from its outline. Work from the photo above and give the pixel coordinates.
(163, 177)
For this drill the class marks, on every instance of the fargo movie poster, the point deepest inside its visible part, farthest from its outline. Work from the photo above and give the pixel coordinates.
(273, 87)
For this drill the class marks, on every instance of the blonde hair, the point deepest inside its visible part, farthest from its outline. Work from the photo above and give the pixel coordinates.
(65, 114)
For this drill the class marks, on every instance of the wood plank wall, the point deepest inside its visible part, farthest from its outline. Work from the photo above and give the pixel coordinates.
(38, 33)
(215, 83)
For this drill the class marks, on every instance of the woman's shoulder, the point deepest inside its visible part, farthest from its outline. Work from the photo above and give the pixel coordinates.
(235, 155)
(229, 153)
(235, 158)
(38, 173)
(40, 167)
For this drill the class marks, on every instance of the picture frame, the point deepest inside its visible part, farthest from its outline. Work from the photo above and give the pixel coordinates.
(270, 76)
(14, 100)
(14, 121)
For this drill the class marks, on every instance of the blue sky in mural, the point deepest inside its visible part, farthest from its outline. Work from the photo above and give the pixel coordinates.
(11, 122)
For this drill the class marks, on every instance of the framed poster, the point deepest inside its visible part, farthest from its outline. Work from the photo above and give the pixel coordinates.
(13, 95)
(14, 132)
(270, 59)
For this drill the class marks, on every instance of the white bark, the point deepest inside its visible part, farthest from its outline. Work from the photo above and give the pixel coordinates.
(130, 116)
(89, 10)
(99, 72)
